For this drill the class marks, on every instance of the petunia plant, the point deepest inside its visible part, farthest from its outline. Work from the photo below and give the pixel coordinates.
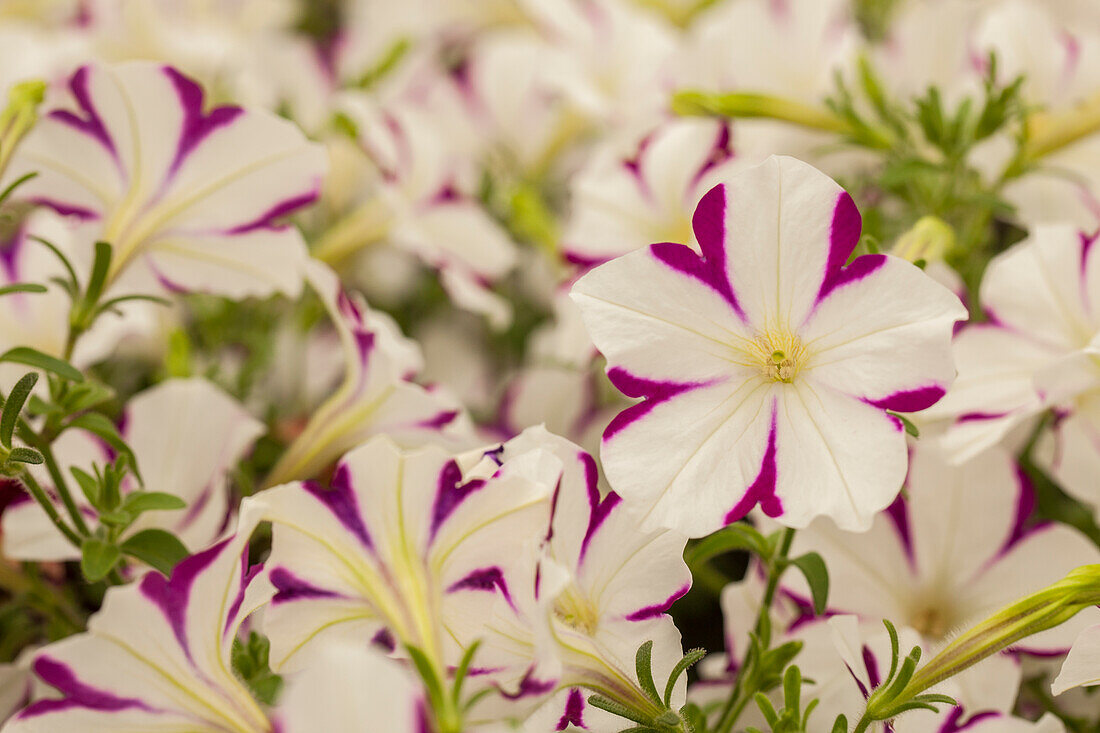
(539, 366)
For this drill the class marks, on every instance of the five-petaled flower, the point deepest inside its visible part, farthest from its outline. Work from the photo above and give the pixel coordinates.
(189, 199)
(765, 363)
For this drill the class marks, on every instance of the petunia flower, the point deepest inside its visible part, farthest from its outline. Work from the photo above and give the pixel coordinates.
(189, 198)
(419, 197)
(766, 365)
(376, 395)
(156, 657)
(348, 689)
(621, 203)
(598, 590)
(926, 564)
(186, 435)
(41, 320)
(1082, 666)
(379, 554)
(1037, 351)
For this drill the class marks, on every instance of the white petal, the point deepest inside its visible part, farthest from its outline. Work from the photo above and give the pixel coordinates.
(351, 690)
(1082, 665)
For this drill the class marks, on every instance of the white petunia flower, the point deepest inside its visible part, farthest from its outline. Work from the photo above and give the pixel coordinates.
(419, 198)
(766, 364)
(1037, 351)
(1082, 665)
(928, 565)
(188, 198)
(156, 657)
(621, 203)
(379, 555)
(376, 395)
(599, 590)
(186, 435)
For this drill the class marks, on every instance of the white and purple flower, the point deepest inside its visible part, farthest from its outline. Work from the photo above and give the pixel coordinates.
(156, 657)
(765, 363)
(189, 198)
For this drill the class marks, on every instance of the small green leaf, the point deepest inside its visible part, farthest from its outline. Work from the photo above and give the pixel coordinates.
(26, 455)
(34, 358)
(689, 660)
(156, 548)
(100, 425)
(463, 668)
(817, 576)
(100, 266)
(792, 688)
(909, 426)
(22, 288)
(14, 406)
(146, 501)
(88, 484)
(16, 184)
(73, 283)
(737, 536)
(643, 666)
(97, 558)
(86, 395)
(841, 725)
(616, 708)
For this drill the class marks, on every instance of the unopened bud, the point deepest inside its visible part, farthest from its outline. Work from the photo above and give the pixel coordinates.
(930, 239)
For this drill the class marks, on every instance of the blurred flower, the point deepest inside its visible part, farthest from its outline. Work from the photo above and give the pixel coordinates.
(376, 395)
(760, 383)
(926, 564)
(186, 435)
(189, 200)
(621, 203)
(599, 589)
(381, 554)
(157, 654)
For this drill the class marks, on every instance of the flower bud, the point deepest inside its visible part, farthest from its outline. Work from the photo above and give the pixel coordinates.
(930, 239)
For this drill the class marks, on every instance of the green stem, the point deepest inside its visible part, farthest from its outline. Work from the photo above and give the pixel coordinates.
(51, 511)
(44, 447)
(738, 701)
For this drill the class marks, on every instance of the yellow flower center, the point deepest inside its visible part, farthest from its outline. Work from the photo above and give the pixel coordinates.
(576, 612)
(779, 355)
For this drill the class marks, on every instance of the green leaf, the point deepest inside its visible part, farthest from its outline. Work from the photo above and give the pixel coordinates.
(817, 576)
(432, 684)
(26, 455)
(88, 485)
(463, 668)
(737, 536)
(250, 660)
(86, 395)
(643, 666)
(22, 288)
(146, 501)
(682, 666)
(100, 267)
(157, 548)
(100, 425)
(73, 283)
(766, 708)
(33, 357)
(616, 708)
(14, 406)
(909, 426)
(97, 558)
(841, 725)
(792, 688)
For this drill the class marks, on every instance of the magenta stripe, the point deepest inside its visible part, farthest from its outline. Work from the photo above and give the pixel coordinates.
(652, 392)
(911, 400)
(91, 123)
(282, 209)
(289, 587)
(643, 614)
(574, 711)
(710, 268)
(762, 489)
(341, 501)
(196, 126)
(76, 693)
(450, 493)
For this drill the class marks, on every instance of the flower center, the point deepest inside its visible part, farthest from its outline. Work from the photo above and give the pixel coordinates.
(576, 612)
(931, 621)
(779, 355)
